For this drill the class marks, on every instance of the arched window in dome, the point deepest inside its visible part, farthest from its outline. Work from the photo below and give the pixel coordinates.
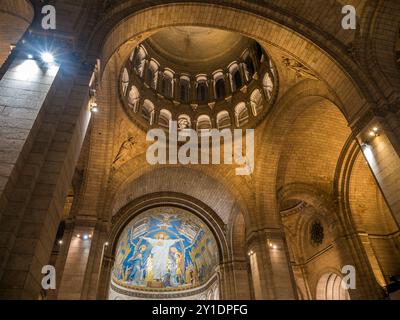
(140, 61)
(241, 114)
(168, 84)
(184, 122)
(184, 89)
(236, 77)
(134, 99)
(152, 74)
(148, 111)
(125, 81)
(223, 120)
(204, 123)
(256, 102)
(268, 85)
(259, 52)
(219, 86)
(249, 67)
(164, 118)
(202, 91)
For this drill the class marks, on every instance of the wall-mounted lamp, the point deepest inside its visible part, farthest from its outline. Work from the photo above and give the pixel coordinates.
(374, 132)
(272, 245)
(93, 104)
(94, 107)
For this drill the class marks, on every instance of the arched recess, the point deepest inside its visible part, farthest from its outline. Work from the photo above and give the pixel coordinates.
(317, 242)
(330, 288)
(15, 18)
(318, 128)
(136, 207)
(277, 152)
(210, 187)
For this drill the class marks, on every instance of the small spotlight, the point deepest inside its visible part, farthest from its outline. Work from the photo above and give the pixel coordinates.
(90, 236)
(47, 57)
(94, 107)
(78, 235)
(85, 237)
(274, 247)
(60, 242)
(30, 56)
(374, 132)
(106, 244)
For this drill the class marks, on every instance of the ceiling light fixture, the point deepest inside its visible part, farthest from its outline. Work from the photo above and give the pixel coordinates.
(47, 57)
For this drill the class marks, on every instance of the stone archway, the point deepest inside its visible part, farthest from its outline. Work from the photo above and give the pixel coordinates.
(132, 29)
(330, 287)
(199, 210)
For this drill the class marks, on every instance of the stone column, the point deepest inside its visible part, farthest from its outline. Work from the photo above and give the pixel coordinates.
(96, 261)
(270, 266)
(382, 152)
(71, 285)
(228, 87)
(176, 88)
(241, 280)
(24, 86)
(50, 123)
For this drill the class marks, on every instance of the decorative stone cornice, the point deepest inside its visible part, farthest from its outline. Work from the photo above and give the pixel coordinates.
(298, 208)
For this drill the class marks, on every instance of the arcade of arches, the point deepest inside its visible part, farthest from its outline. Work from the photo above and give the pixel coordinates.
(76, 190)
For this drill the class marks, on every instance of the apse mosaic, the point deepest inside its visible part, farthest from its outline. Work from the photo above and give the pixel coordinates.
(165, 249)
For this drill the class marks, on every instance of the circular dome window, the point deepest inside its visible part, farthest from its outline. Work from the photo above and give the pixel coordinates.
(164, 250)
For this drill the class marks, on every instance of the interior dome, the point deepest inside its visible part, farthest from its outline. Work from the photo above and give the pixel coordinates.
(197, 48)
(201, 78)
(164, 250)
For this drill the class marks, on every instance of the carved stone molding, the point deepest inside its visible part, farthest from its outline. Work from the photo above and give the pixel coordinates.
(125, 152)
(301, 71)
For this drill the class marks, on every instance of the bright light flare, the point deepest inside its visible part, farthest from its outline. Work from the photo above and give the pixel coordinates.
(47, 57)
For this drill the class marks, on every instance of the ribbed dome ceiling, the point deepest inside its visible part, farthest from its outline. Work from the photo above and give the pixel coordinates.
(197, 48)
